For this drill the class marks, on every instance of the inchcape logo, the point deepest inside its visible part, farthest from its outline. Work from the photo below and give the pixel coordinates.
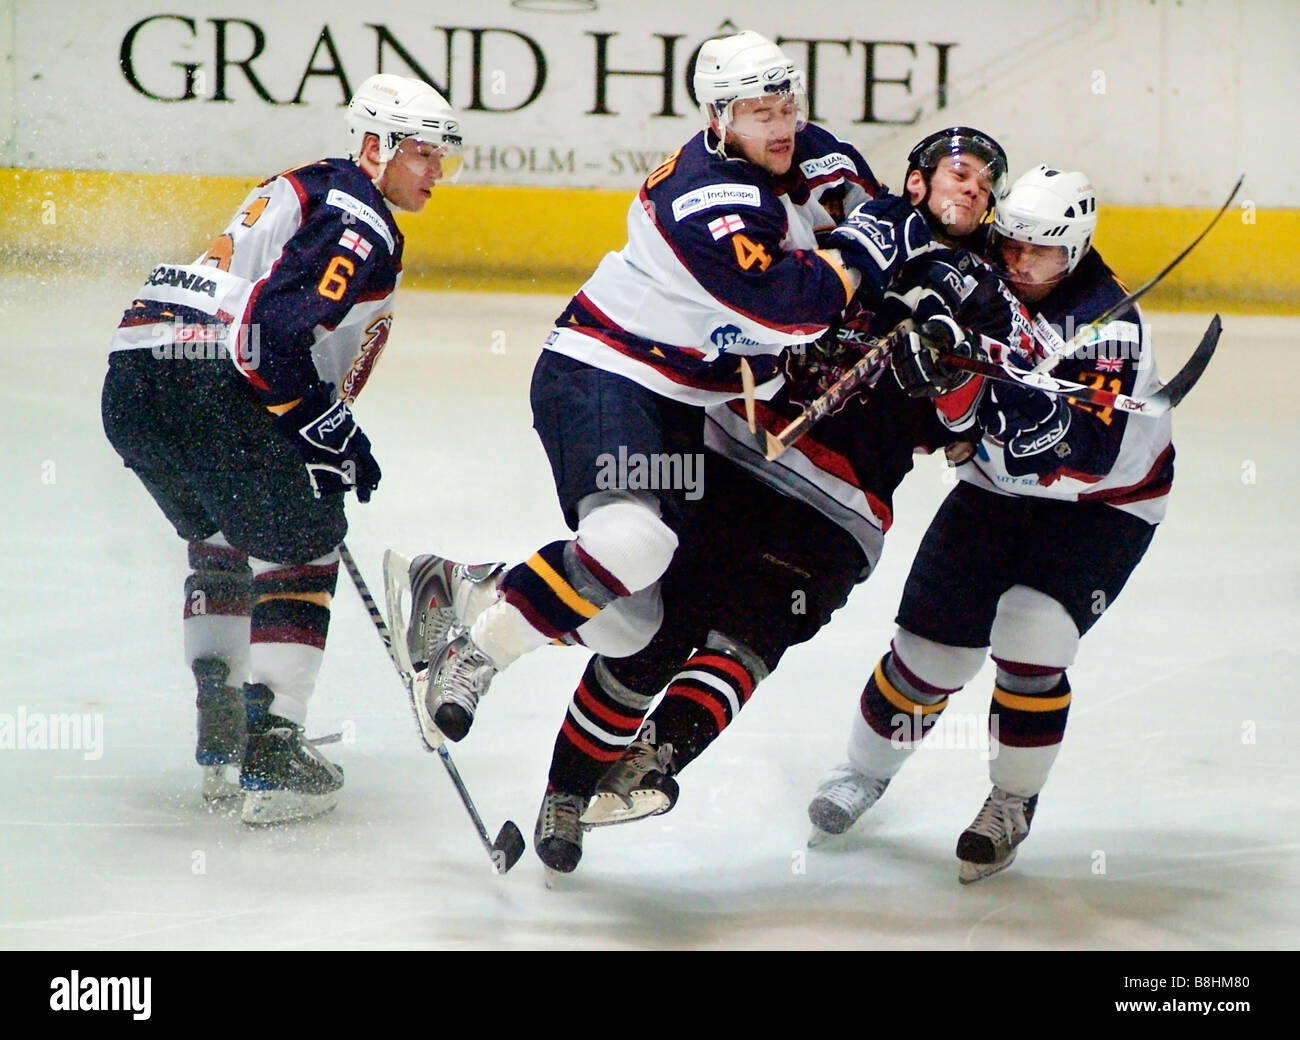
(164, 275)
(712, 195)
(101, 994)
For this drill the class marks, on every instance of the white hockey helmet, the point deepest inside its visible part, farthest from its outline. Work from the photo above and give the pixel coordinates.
(394, 108)
(746, 65)
(1052, 208)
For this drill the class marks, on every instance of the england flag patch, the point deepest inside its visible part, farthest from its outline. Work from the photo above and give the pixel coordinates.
(356, 243)
(724, 226)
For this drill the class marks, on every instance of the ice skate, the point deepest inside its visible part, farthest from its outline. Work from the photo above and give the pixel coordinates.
(840, 801)
(557, 837)
(458, 678)
(284, 777)
(639, 784)
(441, 594)
(989, 844)
(221, 729)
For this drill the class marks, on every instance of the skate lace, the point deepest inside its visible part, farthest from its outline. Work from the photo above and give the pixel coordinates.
(1002, 815)
(848, 788)
(638, 760)
(461, 681)
(561, 819)
(438, 624)
(295, 737)
(644, 757)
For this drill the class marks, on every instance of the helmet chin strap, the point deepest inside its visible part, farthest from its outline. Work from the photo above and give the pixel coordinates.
(380, 167)
(720, 137)
(379, 176)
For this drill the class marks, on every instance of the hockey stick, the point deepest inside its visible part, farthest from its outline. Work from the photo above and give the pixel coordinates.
(747, 384)
(1048, 336)
(509, 846)
(1167, 397)
(773, 444)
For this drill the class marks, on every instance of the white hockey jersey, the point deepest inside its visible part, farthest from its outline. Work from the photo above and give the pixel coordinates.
(721, 261)
(297, 289)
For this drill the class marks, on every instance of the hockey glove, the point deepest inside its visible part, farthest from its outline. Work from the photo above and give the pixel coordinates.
(1031, 426)
(930, 288)
(915, 359)
(812, 369)
(878, 238)
(1008, 410)
(335, 451)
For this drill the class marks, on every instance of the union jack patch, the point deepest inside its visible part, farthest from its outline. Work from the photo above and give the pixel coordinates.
(724, 226)
(356, 243)
(1109, 364)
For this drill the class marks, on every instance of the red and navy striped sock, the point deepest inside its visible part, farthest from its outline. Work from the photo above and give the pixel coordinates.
(701, 701)
(603, 718)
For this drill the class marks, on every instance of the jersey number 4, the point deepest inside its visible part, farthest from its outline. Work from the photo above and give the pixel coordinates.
(749, 253)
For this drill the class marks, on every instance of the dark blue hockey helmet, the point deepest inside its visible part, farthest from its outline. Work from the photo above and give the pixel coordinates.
(960, 140)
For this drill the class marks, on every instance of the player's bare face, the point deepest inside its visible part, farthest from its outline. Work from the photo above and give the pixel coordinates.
(959, 192)
(411, 173)
(762, 131)
(1031, 271)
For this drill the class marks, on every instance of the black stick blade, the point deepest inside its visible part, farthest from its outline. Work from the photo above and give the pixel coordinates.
(1176, 389)
(508, 847)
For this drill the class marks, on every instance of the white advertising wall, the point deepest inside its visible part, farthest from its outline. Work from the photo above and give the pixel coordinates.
(1163, 103)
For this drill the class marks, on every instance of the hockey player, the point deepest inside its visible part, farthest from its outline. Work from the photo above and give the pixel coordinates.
(722, 261)
(809, 526)
(1052, 512)
(249, 444)
(780, 545)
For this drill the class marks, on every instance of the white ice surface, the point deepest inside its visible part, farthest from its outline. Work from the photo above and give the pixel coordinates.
(1170, 820)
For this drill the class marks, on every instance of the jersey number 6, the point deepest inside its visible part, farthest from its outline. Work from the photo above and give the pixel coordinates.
(333, 284)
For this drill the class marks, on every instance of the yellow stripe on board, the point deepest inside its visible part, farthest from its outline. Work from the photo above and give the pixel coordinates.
(1239, 265)
(513, 239)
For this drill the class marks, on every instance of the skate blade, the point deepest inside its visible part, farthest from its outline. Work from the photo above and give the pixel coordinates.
(397, 588)
(820, 837)
(268, 808)
(606, 810)
(968, 873)
(397, 597)
(221, 783)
